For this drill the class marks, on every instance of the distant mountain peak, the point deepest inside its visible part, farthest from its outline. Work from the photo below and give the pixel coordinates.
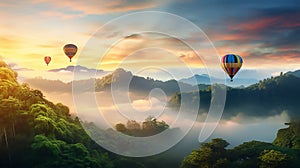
(294, 73)
(120, 72)
(207, 80)
(77, 68)
(197, 79)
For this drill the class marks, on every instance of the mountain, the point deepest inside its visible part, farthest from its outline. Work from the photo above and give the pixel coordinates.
(57, 85)
(138, 84)
(295, 73)
(200, 79)
(49, 85)
(118, 78)
(206, 79)
(268, 97)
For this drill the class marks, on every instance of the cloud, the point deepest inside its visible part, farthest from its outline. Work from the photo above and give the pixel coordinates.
(61, 14)
(113, 34)
(51, 45)
(264, 35)
(147, 49)
(9, 42)
(17, 68)
(6, 4)
(100, 6)
(23, 69)
(288, 39)
(79, 69)
(256, 24)
(12, 65)
(242, 118)
(134, 37)
(63, 74)
(191, 58)
(269, 25)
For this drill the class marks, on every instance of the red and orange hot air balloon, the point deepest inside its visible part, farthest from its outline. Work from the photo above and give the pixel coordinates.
(70, 50)
(231, 64)
(47, 60)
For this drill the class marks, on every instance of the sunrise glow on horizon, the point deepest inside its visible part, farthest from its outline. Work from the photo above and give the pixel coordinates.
(264, 36)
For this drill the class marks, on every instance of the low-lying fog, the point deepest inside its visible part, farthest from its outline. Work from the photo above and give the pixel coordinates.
(236, 130)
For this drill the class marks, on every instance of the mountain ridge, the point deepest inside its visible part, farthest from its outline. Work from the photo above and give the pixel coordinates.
(206, 79)
(269, 97)
(117, 77)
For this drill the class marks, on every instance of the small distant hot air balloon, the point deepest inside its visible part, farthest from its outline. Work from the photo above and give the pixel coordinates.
(231, 64)
(47, 60)
(70, 50)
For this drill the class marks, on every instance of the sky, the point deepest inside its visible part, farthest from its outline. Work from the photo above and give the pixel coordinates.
(265, 33)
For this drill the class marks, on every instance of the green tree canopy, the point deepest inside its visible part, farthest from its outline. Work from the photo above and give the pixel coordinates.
(210, 155)
(273, 159)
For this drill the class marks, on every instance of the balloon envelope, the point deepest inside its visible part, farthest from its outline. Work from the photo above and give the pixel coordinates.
(231, 64)
(70, 50)
(47, 60)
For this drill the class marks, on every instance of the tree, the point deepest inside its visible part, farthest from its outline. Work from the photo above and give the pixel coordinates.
(149, 123)
(62, 109)
(133, 125)
(273, 159)
(34, 132)
(126, 163)
(57, 153)
(151, 126)
(121, 127)
(289, 137)
(210, 155)
(9, 109)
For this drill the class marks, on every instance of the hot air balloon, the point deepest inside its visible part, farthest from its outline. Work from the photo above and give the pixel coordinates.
(47, 60)
(70, 50)
(231, 64)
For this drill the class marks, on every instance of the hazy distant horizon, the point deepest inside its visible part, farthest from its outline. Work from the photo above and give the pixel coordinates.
(66, 76)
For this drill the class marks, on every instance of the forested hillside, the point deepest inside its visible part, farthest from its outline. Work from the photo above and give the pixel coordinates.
(250, 154)
(267, 98)
(37, 133)
(289, 137)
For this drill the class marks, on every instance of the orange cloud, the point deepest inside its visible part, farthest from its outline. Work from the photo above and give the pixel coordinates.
(284, 21)
(256, 24)
(219, 36)
(9, 42)
(101, 6)
(60, 14)
(192, 58)
(147, 48)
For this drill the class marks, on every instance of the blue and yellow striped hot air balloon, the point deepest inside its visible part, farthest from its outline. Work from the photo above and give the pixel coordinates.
(231, 64)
